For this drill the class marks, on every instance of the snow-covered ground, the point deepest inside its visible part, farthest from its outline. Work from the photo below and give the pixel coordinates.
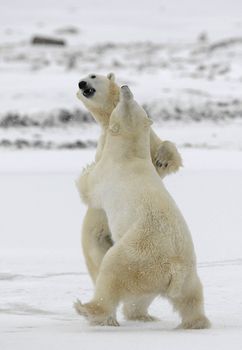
(42, 268)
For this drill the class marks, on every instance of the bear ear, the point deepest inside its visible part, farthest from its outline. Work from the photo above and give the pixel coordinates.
(148, 122)
(111, 76)
(114, 128)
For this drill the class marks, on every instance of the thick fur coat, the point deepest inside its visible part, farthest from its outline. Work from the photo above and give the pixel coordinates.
(153, 252)
(100, 95)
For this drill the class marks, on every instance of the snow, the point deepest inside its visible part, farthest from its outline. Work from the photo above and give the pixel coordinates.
(181, 59)
(43, 271)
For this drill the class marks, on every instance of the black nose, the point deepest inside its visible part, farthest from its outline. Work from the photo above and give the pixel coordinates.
(82, 84)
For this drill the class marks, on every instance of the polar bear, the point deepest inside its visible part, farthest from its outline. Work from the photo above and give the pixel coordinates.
(100, 95)
(153, 252)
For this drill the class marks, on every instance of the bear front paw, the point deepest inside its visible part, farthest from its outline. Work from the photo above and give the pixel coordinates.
(167, 159)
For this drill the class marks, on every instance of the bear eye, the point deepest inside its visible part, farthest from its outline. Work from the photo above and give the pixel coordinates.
(93, 76)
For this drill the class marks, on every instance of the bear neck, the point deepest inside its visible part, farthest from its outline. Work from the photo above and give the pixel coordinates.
(121, 147)
(102, 114)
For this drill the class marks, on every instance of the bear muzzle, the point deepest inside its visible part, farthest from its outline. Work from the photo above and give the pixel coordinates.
(87, 90)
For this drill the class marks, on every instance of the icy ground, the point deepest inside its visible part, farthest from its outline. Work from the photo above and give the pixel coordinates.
(42, 269)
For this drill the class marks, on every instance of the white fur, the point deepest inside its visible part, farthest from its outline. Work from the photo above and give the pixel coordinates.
(153, 252)
(96, 236)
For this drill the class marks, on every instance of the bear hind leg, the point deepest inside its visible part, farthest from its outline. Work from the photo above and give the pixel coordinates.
(190, 305)
(95, 313)
(101, 310)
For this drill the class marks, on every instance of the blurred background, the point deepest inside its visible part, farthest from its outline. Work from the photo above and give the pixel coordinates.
(183, 62)
(181, 58)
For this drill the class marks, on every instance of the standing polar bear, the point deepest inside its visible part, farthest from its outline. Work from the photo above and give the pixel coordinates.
(153, 252)
(100, 95)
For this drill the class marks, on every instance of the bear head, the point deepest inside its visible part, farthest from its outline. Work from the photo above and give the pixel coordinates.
(128, 118)
(100, 95)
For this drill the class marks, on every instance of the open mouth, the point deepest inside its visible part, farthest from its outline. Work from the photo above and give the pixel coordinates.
(89, 92)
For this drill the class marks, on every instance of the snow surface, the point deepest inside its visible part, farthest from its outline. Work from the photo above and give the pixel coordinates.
(43, 271)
